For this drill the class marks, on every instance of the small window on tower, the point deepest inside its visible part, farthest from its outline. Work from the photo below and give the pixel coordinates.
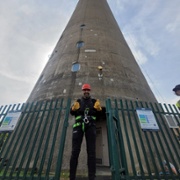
(82, 25)
(80, 44)
(75, 67)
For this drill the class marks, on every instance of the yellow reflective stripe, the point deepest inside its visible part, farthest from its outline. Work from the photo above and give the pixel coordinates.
(76, 124)
(78, 117)
(178, 104)
(79, 124)
(83, 126)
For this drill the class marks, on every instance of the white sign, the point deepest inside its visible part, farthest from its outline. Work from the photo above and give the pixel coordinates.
(171, 121)
(147, 119)
(10, 121)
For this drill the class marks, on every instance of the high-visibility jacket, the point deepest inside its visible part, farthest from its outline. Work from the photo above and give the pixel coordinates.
(178, 104)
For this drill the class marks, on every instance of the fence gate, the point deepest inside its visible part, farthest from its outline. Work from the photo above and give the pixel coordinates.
(30, 151)
(137, 153)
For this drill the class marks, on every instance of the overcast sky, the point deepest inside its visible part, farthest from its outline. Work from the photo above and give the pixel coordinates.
(30, 30)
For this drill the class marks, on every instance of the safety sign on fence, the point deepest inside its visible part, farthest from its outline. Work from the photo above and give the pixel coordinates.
(147, 119)
(10, 121)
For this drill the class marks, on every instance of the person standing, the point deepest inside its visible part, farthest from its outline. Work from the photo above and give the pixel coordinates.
(177, 92)
(85, 111)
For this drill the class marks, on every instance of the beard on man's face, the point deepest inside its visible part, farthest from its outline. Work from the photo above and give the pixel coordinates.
(86, 94)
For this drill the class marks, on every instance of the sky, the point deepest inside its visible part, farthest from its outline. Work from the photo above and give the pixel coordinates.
(30, 30)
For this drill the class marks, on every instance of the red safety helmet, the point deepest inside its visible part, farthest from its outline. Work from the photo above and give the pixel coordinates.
(86, 86)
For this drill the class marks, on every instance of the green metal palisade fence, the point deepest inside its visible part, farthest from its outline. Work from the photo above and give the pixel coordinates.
(30, 151)
(137, 154)
(37, 140)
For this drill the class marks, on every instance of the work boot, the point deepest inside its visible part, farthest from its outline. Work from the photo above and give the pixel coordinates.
(92, 177)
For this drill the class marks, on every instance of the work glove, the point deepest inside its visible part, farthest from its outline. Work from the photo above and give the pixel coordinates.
(97, 105)
(75, 106)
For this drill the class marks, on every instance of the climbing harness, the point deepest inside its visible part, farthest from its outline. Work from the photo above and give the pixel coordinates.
(85, 119)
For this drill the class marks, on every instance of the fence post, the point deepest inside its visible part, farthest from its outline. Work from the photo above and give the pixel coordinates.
(113, 153)
(62, 143)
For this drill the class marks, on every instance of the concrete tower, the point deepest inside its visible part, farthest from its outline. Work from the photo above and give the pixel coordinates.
(92, 50)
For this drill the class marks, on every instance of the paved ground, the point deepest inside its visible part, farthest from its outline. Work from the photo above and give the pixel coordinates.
(102, 173)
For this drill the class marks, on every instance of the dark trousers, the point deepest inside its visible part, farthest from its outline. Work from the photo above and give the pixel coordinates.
(90, 135)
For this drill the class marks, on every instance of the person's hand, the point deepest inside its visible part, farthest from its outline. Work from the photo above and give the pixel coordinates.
(97, 105)
(75, 106)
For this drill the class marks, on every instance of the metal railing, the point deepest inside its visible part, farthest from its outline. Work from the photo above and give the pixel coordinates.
(34, 150)
(137, 154)
(30, 151)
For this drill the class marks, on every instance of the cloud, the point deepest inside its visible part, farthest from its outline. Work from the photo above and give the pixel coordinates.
(149, 45)
(138, 54)
(174, 26)
(30, 30)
